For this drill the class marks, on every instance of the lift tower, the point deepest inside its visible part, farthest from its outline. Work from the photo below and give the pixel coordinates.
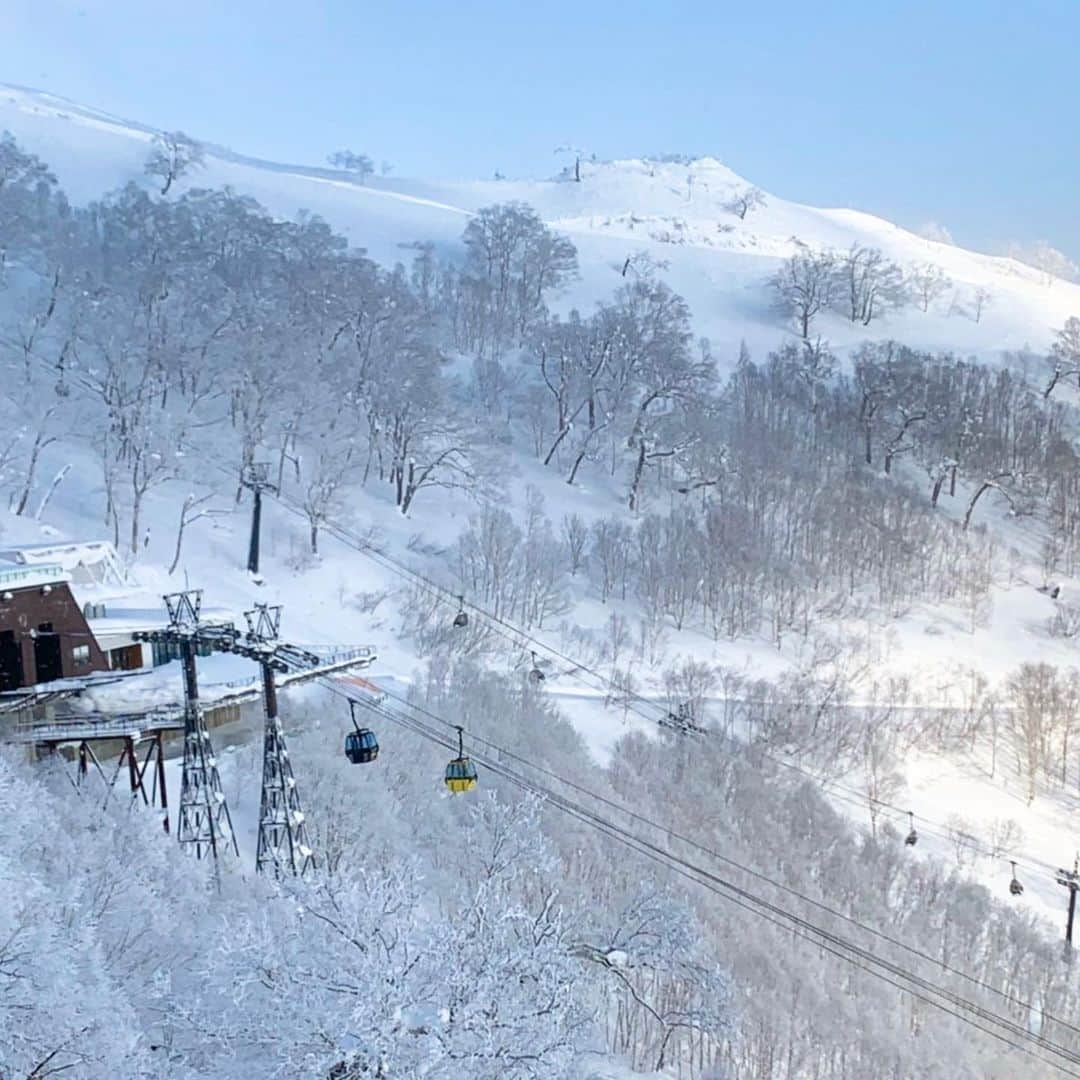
(204, 822)
(283, 842)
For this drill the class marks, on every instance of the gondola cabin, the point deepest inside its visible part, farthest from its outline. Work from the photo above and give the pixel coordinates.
(361, 746)
(461, 772)
(460, 775)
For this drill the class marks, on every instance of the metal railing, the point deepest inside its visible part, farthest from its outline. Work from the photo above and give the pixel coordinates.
(21, 573)
(21, 727)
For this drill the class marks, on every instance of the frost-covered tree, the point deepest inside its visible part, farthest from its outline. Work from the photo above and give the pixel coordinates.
(1064, 356)
(360, 165)
(805, 285)
(745, 201)
(172, 155)
(1053, 264)
(513, 262)
(929, 282)
(871, 284)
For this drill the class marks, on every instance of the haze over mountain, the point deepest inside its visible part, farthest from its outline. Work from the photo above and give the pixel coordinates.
(674, 210)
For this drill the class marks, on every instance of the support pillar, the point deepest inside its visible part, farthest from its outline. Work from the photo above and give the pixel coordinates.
(283, 843)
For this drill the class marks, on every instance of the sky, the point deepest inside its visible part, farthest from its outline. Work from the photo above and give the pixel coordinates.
(958, 112)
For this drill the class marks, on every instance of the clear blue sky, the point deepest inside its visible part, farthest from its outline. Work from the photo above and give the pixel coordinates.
(960, 111)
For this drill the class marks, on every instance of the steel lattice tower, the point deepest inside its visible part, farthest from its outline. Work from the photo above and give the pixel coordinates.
(205, 825)
(283, 840)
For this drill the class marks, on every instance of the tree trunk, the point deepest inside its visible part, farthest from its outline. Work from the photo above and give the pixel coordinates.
(31, 469)
(983, 487)
(57, 479)
(179, 536)
(136, 506)
(639, 468)
(577, 464)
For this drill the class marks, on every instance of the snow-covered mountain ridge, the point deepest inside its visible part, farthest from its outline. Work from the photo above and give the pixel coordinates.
(782, 573)
(677, 212)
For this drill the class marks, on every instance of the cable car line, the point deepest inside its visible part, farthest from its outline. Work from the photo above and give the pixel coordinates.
(925, 990)
(713, 853)
(800, 926)
(522, 639)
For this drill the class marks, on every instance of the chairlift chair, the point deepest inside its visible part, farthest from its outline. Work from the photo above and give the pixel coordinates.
(361, 745)
(461, 772)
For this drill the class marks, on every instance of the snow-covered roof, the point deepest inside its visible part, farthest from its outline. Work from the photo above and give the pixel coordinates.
(85, 561)
(15, 576)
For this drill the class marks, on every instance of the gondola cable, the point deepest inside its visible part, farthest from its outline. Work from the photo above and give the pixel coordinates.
(711, 852)
(943, 999)
(523, 639)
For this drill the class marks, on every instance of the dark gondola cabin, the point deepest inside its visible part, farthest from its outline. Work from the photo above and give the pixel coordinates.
(461, 619)
(361, 746)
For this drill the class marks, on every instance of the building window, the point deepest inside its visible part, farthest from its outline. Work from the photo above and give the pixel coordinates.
(80, 654)
(126, 658)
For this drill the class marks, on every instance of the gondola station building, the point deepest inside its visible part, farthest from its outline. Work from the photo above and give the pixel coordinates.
(44, 635)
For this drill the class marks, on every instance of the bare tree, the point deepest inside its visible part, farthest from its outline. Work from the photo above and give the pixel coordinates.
(981, 300)
(744, 201)
(871, 283)
(172, 155)
(359, 164)
(577, 154)
(805, 285)
(327, 471)
(997, 482)
(929, 282)
(883, 782)
(194, 508)
(1033, 692)
(1064, 354)
(575, 535)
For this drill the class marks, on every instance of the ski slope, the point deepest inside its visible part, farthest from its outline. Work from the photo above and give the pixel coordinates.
(674, 211)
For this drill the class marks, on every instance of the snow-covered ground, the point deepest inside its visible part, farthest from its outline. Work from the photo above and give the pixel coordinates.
(673, 211)
(719, 263)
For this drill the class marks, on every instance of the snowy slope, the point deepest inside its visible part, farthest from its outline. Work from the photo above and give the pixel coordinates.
(674, 211)
(716, 261)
